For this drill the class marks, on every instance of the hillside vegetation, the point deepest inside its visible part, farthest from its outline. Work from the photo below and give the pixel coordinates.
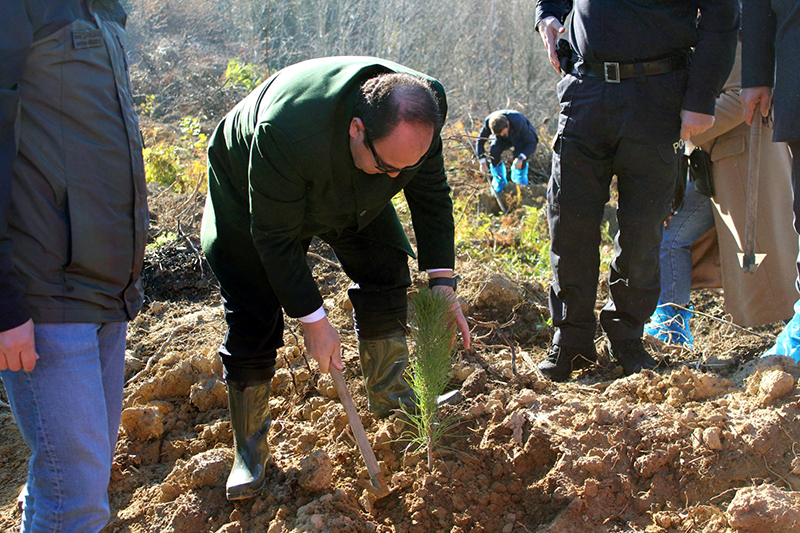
(708, 443)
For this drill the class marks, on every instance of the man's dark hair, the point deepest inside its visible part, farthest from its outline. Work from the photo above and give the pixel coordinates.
(498, 123)
(388, 99)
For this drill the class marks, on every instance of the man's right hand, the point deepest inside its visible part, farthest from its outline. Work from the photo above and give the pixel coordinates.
(694, 123)
(755, 98)
(18, 349)
(484, 167)
(549, 29)
(322, 342)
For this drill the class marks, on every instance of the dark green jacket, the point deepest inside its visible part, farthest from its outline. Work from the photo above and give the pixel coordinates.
(281, 171)
(73, 198)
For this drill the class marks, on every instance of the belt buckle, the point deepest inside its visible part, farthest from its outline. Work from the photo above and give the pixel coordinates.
(611, 72)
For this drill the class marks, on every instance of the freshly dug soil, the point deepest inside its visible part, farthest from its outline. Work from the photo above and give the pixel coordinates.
(706, 443)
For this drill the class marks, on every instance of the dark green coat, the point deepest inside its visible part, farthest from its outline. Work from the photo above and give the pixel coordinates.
(281, 171)
(73, 197)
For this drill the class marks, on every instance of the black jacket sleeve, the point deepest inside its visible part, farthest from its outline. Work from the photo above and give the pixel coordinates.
(758, 44)
(714, 54)
(552, 8)
(483, 136)
(16, 36)
(523, 135)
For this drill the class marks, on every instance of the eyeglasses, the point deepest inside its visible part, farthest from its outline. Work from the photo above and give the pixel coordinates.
(383, 167)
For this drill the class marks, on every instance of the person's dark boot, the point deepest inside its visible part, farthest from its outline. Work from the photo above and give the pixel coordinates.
(562, 360)
(250, 420)
(631, 354)
(383, 364)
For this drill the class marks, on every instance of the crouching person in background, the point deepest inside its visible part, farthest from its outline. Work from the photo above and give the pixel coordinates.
(512, 131)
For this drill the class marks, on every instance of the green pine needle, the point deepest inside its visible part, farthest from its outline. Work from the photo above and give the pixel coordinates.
(430, 368)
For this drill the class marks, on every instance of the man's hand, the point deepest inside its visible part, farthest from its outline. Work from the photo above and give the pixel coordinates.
(755, 98)
(549, 29)
(18, 349)
(519, 163)
(322, 342)
(455, 311)
(484, 167)
(693, 123)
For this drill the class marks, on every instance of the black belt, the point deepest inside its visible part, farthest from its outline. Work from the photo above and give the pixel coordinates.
(613, 72)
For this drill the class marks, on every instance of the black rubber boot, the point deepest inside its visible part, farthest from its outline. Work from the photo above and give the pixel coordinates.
(250, 420)
(631, 354)
(383, 364)
(562, 360)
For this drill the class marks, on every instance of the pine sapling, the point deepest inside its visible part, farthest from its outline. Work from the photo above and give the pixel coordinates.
(433, 332)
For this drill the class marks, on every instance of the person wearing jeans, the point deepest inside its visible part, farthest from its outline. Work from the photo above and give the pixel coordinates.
(69, 407)
(751, 299)
(691, 222)
(73, 226)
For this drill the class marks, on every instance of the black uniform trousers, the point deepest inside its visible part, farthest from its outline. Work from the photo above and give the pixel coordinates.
(629, 129)
(380, 275)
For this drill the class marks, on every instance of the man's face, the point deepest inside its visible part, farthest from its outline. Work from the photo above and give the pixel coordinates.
(403, 149)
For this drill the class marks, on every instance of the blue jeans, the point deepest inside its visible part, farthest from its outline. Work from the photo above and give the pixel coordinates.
(694, 219)
(68, 411)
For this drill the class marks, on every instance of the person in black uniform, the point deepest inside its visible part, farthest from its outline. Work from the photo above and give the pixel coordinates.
(640, 78)
(511, 130)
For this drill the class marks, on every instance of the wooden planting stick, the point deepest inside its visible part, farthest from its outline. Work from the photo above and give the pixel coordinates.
(374, 470)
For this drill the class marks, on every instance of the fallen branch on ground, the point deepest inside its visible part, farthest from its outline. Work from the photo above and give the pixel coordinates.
(728, 322)
(153, 358)
(321, 259)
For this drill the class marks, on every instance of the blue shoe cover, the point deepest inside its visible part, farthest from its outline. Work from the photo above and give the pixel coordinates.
(520, 175)
(499, 181)
(671, 325)
(788, 342)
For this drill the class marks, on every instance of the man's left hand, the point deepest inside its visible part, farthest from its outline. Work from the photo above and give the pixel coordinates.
(455, 312)
(755, 100)
(693, 123)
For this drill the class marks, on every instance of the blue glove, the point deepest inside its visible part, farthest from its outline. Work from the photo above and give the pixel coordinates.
(788, 342)
(520, 175)
(498, 177)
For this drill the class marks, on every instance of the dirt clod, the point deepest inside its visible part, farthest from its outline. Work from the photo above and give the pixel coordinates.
(764, 509)
(316, 471)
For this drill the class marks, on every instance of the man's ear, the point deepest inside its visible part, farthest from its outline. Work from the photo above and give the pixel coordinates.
(356, 125)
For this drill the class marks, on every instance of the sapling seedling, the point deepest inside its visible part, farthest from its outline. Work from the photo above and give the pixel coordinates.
(430, 368)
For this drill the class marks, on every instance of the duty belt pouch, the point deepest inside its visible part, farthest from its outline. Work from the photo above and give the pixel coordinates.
(700, 172)
(680, 187)
(564, 53)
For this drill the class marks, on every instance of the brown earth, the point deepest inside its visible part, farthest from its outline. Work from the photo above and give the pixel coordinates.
(708, 443)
